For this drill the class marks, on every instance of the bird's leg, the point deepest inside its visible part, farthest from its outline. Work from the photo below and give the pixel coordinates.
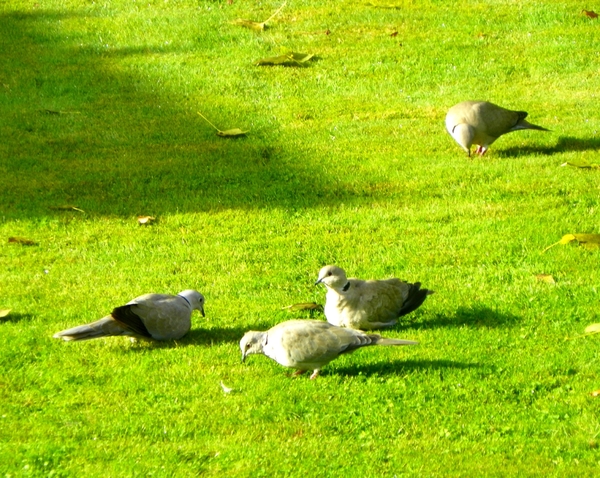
(481, 150)
(315, 374)
(298, 373)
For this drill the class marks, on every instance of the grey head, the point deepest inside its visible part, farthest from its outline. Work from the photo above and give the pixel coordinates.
(252, 343)
(194, 298)
(333, 277)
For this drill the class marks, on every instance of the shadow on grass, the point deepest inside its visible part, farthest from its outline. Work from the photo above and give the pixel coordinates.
(465, 317)
(16, 317)
(399, 367)
(564, 144)
(118, 142)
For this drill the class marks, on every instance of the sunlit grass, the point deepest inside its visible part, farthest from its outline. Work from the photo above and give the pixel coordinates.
(346, 162)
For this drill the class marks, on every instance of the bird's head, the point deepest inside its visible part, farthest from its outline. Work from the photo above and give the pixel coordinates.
(195, 299)
(252, 343)
(332, 276)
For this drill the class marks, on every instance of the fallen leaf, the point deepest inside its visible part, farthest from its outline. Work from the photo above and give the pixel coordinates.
(303, 306)
(145, 220)
(228, 133)
(382, 5)
(582, 165)
(289, 59)
(225, 388)
(4, 312)
(589, 241)
(66, 208)
(231, 132)
(547, 278)
(22, 241)
(595, 393)
(258, 26)
(590, 13)
(395, 34)
(592, 329)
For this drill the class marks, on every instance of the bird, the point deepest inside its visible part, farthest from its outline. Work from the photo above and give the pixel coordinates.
(309, 344)
(482, 123)
(367, 305)
(150, 316)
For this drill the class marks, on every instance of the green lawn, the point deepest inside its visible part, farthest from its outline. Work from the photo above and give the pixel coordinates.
(347, 162)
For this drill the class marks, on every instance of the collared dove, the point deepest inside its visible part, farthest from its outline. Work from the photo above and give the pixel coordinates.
(482, 123)
(309, 344)
(367, 305)
(152, 316)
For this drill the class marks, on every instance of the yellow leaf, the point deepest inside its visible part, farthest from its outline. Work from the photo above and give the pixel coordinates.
(231, 132)
(4, 312)
(592, 329)
(258, 26)
(23, 241)
(547, 278)
(228, 133)
(595, 393)
(589, 241)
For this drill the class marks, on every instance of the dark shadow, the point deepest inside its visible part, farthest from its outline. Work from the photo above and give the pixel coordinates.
(399, 367)
(220, 335)
(465, 317)
(16, 317)
(84, 127)
(564, 144)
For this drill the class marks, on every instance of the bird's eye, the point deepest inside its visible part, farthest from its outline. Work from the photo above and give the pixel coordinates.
(330, 273)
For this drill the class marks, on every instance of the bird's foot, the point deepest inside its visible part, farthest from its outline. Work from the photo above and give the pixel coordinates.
(315, 374)
(297, 373)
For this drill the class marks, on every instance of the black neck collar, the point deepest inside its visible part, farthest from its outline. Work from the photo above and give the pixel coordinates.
(346, 287)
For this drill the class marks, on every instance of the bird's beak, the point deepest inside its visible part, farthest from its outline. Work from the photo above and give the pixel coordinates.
(243, 357)
(318, 281)
(202, 311)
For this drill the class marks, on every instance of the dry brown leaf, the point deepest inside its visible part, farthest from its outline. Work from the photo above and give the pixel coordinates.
(589, 13)
(4, 312)
(66, 208)
(258, 26)
(145, 220)
(394, 34)
(289, 59)
(547, 278)
(23, 241)
(303, 306)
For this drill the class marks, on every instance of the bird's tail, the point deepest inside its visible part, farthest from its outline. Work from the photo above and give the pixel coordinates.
(415, 297)
(527, 125)
(379, 340)
(101, 328)
(523, 124)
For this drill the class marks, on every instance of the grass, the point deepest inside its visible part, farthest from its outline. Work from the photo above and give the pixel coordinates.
(346, 162)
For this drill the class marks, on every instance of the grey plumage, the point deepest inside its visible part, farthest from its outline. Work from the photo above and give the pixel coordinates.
(368, 305)
(309, 344)
(151, 316)
(481, 123)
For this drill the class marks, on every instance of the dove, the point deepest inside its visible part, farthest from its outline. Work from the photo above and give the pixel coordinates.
(151, 316)
(367, 305)
(309, 344)
(482, 123)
